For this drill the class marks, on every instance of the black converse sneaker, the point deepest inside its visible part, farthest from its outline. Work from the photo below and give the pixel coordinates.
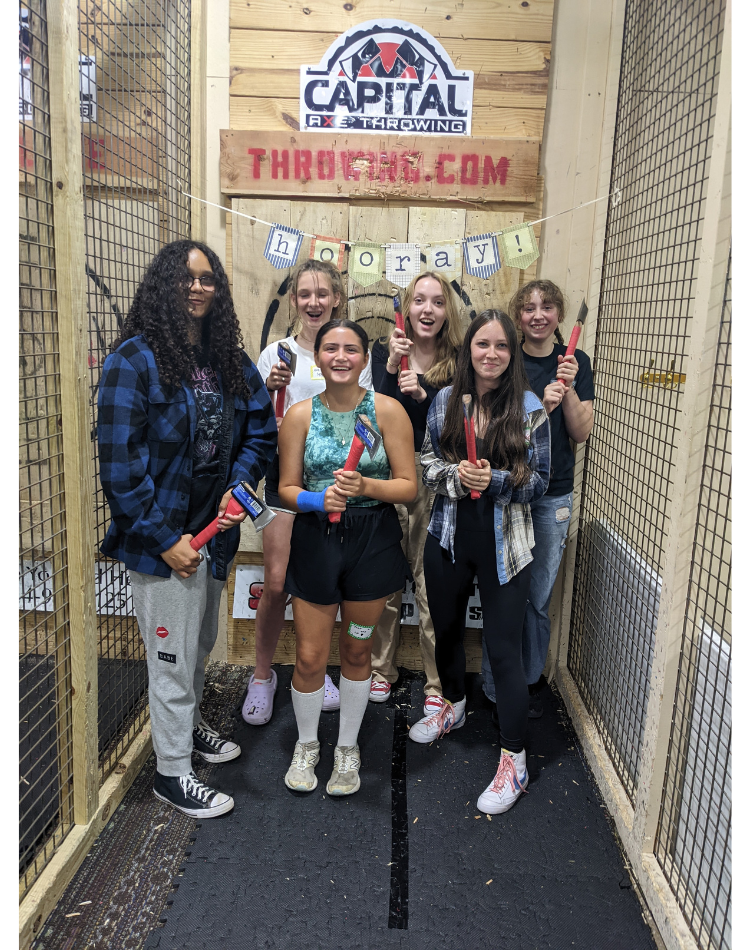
(192, 797)
(209, 744)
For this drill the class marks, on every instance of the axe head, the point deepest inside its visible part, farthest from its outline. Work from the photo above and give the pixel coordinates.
(467, 407)
(367, 435)
(287, 356)
(260, 514)
(582, 313)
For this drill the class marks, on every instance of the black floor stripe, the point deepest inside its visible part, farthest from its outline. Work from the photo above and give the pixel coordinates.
(398, 910)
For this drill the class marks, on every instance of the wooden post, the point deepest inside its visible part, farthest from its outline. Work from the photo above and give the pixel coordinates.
(198, 117)
(688, 476)
(574, 257)
(73, 336)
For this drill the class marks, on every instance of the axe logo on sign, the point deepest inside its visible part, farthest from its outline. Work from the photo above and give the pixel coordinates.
(387, 76)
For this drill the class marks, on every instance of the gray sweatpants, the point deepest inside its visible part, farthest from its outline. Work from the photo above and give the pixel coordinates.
(178, 618)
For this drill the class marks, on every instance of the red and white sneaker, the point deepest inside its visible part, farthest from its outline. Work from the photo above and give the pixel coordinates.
(507, 786)
(379, 691)
(433, 704)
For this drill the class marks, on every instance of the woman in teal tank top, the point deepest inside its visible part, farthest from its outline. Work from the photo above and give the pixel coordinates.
(354, 564)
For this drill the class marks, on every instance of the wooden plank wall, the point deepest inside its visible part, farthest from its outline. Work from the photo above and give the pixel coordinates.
(508, 47)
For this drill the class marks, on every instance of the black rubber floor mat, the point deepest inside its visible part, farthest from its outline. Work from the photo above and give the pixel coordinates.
(406, 862)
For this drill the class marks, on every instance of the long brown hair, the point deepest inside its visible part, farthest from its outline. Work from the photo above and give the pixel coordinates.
(549, 292)
(448, 339)
(504, 438)
(314, 266)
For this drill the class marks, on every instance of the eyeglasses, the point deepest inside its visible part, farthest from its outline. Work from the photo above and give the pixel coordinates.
(207, 281)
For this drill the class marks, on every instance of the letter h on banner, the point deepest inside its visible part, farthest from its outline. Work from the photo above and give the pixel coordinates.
(282, 246)
(481, 255)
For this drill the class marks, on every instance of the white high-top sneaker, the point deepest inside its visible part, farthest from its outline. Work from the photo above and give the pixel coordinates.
(507, 786)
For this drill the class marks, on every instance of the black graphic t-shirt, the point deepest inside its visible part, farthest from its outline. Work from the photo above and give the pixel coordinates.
(541, 370)
(206, 483)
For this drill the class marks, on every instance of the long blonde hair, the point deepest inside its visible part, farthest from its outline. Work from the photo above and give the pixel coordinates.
(449, 338)
(313, 266)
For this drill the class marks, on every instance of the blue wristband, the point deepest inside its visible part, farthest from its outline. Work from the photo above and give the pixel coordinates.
(311, 501)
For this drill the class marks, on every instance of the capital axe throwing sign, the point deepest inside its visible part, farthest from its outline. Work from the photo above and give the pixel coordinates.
(386, 76)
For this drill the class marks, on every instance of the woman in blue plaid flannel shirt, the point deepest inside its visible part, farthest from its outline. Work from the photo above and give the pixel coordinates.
(490, 536)
(183, 418)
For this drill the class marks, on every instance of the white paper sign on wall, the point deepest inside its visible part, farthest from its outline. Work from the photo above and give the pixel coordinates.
(386, 76)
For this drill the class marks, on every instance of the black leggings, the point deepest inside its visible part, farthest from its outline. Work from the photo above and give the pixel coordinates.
(449, 586)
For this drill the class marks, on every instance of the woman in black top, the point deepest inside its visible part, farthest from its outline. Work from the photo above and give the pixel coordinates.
(433, 335)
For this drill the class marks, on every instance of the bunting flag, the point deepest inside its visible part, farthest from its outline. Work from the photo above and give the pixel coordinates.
(327, 249)
(402, 263)
(366, 263)
(519, 246)
(481, 255)
(282, 246)
(445, 259)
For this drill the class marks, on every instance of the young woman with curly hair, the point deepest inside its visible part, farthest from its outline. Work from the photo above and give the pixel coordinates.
(489, 536)
(183, 418)
(430, 340)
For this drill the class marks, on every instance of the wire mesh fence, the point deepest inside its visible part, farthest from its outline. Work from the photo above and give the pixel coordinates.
(135, 115)
(45, 735)
(693, 844)
(661, 158)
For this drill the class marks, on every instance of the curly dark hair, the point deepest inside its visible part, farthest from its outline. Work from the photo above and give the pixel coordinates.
(504, 440)
(159, 312)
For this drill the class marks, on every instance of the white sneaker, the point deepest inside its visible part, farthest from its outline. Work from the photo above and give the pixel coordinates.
(379, 691)
(507, 786)
(433, 704)
(344, 779)
(331, 699)
(301, 774)
(449, 716)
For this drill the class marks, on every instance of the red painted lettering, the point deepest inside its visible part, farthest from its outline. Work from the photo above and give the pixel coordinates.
(388, 166)
(442, 178)
(495, 171)
(351, 172)
(280, 163)
(411, 164)
(469, 177)
(302, 163)
(256, 153)
(326, 174)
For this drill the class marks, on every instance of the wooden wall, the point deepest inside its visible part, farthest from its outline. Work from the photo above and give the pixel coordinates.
(508, 47)
(506, 44)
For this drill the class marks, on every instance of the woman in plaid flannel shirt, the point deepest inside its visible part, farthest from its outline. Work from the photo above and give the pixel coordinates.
(490, 536)
(183, 418)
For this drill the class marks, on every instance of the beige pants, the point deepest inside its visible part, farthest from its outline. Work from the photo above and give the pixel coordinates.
(414, 519)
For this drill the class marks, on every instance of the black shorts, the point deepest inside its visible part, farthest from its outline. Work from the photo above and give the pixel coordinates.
(271, 489)
(358, 559)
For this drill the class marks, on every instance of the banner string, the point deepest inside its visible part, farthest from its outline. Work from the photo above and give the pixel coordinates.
(616, 193)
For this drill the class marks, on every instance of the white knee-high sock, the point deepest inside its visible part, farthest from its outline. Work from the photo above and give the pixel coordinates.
(307, 708)
(355, 695)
